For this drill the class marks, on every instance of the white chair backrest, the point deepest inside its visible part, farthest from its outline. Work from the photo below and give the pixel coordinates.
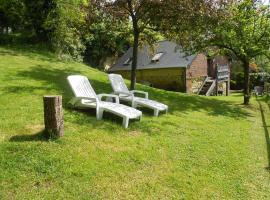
(81, 87)
(118, 83)
(258, 89)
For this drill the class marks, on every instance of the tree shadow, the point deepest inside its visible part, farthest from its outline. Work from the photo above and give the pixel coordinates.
(183, 103)
(40, 136)
(32, 51)
(8, 52)
(89, 115)
(266, 132)
(22, 89)
(55, 79)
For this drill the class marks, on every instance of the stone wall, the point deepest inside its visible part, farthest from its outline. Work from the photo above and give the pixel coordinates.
(168, 78)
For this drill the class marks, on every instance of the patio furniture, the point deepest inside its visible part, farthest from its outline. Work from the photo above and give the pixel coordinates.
(258, 90)
(85, 97)
(120, 89)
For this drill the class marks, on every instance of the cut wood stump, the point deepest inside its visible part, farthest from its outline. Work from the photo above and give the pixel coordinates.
(53, 116)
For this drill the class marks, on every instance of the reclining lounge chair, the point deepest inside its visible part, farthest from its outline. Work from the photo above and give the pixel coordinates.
(258, 91)
(120, 89)
(85, 97)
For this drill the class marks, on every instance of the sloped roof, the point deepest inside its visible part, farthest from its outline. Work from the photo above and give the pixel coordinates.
(173, 56)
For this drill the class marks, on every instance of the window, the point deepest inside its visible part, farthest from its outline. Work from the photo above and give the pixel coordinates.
(157, 57)
(128, 61)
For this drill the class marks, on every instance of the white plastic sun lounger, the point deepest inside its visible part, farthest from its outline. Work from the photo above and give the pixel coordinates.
(120, 89)
(85, 97)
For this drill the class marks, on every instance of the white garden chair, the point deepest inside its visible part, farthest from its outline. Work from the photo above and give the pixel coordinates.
(120, 89)
(85, 97)
(258, 91)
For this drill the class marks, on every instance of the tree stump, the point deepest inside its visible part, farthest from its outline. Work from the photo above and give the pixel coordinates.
(53, 116)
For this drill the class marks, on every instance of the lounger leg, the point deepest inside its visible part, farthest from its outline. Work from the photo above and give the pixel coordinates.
(133, 104)
(99, 114)
(125, 122)
(156, 111)
(166, 112)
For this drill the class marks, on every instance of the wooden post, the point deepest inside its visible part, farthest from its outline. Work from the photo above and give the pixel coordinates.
(228, 87)
(216, 80)
(53, 116)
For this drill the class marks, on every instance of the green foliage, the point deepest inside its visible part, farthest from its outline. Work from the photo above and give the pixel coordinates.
(60, 24)
(241, 28)
(263, 63)
(35, 17)
(67, 21)
(104, 39)
(11, 14)
(138, 14)
(237, 81)
(257, 80)
(73, 29)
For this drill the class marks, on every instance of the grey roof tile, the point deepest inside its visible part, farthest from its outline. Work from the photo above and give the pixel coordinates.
(173, 57)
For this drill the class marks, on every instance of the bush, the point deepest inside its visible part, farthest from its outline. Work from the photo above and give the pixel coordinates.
(237, 81)
(67, 22)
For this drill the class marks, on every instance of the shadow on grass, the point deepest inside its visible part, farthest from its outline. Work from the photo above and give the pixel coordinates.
(23, 89)
(32, 51)
(55, 79)
(8, 52)
(183, 103)
(40, 136)
(266, 132)
(89, 116)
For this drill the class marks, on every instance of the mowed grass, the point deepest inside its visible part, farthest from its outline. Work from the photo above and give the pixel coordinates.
(205, 148)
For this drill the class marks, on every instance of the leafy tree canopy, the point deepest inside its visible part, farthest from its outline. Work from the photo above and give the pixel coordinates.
(241, 28)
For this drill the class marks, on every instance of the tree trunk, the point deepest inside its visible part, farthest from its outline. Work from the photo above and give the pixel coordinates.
(53, 116)
(247, 82)
(136, 35)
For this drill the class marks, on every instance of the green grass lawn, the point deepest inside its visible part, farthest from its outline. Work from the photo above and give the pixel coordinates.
(205, 148)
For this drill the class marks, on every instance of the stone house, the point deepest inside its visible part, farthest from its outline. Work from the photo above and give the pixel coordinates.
(166, 66)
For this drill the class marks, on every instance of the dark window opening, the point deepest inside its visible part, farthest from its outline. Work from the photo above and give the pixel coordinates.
(157, 57)
(128, 61)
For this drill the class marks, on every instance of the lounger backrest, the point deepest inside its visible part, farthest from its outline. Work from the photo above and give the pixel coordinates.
(81, 87)
(118, 83)
(258, 89)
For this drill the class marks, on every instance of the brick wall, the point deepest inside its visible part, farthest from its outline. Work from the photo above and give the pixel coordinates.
(198, 67)
(196, 70)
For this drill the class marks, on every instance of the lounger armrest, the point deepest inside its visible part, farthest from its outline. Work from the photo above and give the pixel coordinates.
(109, 95)
(123, 93)
(140, 92)
(75, 100)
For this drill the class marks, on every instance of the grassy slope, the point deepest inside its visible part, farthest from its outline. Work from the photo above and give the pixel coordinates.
(205, 148)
